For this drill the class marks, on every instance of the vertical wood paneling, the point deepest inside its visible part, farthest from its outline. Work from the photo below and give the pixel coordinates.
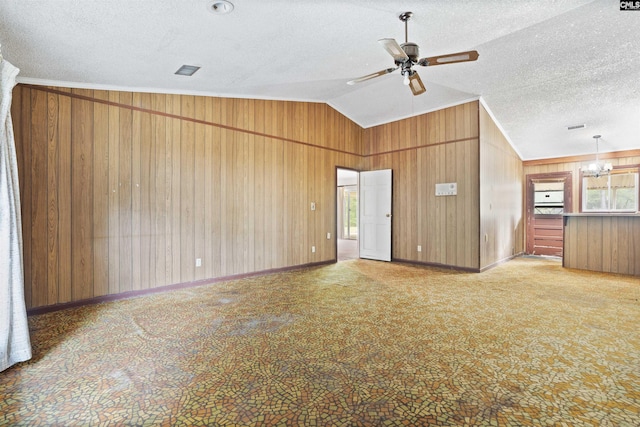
(611, 243)
(501, 195)
(213, 212)
(136, 195)
(258, 203)
(187, 183)
(199, 189)
(38, 200)
(439, 148)
(634, 248)
(209, 185)
(249, 186)
(65, 196)
(114, 195)
(451, 175)
(174, 200)
(582, 250)
(125, 195)
(280, 217)
(238, 249)
(53, 220)
(121, 199)
(624, 255)
(158, 276)
(100, 161)
(226, 202)
(82, 246)
(146, 193)
(594, 243)
(605, 255)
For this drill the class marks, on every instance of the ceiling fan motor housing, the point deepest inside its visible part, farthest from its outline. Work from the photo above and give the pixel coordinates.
(412, 51)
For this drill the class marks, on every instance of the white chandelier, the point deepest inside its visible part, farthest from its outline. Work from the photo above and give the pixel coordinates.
(597, 169)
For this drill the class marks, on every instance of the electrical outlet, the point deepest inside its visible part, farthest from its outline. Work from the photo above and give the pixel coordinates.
(419, 248)
(313, 206)
(313, 249)
(198, 262)
(328, 236)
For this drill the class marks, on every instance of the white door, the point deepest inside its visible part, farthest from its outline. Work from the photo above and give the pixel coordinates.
(375, 215)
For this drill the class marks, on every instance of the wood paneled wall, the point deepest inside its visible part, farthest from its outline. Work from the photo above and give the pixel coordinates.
(437, 147)
(502, 220)
(606, 243)
(123, 191)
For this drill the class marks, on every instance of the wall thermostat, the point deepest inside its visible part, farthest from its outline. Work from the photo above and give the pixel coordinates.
(447, 189)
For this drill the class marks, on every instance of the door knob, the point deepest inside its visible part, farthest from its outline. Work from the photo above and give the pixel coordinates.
(388, 215)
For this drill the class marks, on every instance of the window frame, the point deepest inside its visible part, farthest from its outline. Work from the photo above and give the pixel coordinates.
(615, 171)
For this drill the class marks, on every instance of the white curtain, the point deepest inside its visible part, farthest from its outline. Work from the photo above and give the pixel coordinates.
(15, 345)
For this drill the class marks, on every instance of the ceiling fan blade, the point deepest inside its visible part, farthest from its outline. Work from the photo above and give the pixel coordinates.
(416, 85)
(451, 58)
(372, 76)
(394, 49)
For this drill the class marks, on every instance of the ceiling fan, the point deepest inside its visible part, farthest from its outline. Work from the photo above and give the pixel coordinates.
(406, 55)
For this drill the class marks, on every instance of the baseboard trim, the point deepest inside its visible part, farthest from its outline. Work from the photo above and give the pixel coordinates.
(502, 261)
(133, 294)
(458, 268)
(435, 264)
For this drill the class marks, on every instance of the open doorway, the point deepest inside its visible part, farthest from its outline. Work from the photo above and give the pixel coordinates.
(347, 214)
(548, 199)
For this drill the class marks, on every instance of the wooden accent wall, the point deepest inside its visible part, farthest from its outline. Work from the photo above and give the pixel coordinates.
(123, 191)
(502, 219)
(609, 243)
(437, 147)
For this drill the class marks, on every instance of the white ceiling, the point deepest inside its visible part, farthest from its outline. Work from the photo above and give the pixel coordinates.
(543, 65)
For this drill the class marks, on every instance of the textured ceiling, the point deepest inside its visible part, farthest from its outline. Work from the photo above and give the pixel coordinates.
(544, 64)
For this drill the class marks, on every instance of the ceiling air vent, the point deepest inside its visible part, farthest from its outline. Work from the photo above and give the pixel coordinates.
(187, 70)
(574, 127)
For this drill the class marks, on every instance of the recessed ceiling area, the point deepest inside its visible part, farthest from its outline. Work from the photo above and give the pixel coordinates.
(544, 65)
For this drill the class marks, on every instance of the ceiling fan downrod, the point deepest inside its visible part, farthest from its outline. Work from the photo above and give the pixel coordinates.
(404, 17)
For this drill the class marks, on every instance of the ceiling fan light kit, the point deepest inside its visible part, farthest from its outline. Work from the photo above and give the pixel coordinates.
(406, 55)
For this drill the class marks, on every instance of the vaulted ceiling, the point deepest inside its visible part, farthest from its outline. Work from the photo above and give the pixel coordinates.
(544, 65)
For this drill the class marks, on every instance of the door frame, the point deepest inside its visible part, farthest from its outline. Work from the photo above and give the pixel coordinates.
(566, 177)
(335, 210)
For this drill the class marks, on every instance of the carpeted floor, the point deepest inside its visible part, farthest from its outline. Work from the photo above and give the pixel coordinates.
(356, 343)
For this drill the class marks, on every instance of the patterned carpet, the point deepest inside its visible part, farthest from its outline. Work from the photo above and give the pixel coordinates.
(359, 343)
